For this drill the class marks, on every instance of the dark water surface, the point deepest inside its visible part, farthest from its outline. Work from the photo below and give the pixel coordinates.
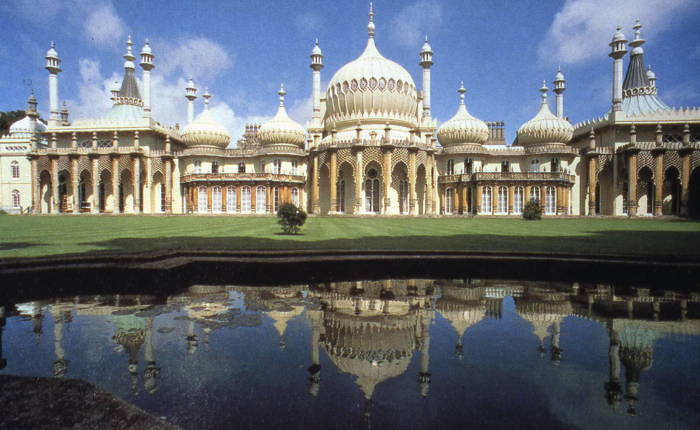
(382, 354)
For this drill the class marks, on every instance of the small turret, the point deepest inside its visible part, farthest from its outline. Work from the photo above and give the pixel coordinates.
(190, 95)
(53, 66)
(147, 65)
(651, 77)
(559, 88)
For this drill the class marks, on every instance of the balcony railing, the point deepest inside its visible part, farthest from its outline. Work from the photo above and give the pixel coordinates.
(206, 177)
(508, 176)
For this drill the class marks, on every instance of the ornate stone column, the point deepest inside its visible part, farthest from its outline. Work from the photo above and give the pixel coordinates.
(386, 169)
(465, 203)
(412, 197)
(685, 154)
(315, 205)
(95, 171)
(658, 153)
(75, 176)
(526, 189)
(268, 199)
(36, 185)
(431, 186)
(632, 182)
(136, 183)
(55, 204)
(167, 165)
(479, 189)
(209, 199)
(441, 196)
(592, 182)
(333, 181)
(116, 179)
(511, 194)
(455, 198)
(359, 179)
(494, 199)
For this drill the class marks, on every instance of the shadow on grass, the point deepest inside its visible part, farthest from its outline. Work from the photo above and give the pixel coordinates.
(667, 244)
(16, 245)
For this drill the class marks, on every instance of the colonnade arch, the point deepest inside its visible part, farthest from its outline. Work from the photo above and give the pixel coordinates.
(85, 191)
(671, 192)
(346, 189)
(372, 188)
(645, 191)
(421, 195)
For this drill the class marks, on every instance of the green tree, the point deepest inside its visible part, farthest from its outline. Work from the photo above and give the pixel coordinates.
(8, 118)
(532, 210)
(291, 218)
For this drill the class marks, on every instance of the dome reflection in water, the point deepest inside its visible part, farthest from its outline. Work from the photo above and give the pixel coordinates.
(389, 353)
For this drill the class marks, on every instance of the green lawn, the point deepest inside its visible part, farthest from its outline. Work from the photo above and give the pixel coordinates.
(35, 236)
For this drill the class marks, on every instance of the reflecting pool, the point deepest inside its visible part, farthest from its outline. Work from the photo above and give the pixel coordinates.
(408, 353)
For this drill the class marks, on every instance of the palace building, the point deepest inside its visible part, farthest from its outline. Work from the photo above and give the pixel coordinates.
(371, 147)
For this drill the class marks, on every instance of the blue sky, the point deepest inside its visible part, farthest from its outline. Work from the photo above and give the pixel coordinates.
(243, 50)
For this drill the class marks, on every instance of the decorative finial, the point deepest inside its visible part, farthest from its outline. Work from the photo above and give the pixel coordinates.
(206, 96)
(53, 44)
(282, 93)
(544, 90)
(370, 26)
(426, 38)
(461, 92)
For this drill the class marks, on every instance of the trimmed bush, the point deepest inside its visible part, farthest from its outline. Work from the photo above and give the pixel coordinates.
(532, 210)
(291, 218)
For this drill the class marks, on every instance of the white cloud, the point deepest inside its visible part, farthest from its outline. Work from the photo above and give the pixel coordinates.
(93, 91)
(309, 22)
(583, 28)
(198, 56)
(103, 26)
(414, 21)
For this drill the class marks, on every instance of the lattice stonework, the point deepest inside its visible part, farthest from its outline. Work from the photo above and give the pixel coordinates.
(371, 154)
(104, 163)
(604, 162)
(695, 160)
(323, 157)
(44, 164)
(156, 165)
(400, 155)
(421, 158)
(671, 158)
(642, 189)
(63, 163)
(84, 164)
(125, 163)
(645, 159)
(346, 156)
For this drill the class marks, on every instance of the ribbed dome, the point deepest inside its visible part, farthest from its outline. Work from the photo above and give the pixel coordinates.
(205, 131)
(23, 127)
(545, 127)
(371, 89)
(281, 128)
(462, 128)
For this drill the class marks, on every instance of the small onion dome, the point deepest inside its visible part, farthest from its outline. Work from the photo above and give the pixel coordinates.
(426, 46)
(25, 127)
(316, 49)
(205, 131)
(462, 128)
(281, 128)
(650, 74)
(51, 53)
(545, 127)
(559, 76)
(618, 36)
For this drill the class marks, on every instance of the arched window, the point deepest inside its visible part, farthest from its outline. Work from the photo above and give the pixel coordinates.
(518, 196)
(231, 199)
(260, 200)
(202, 200)
(295, 196)
(502, 200)
(216, 200)
(215, 167)
(277, 167)
(15, 198)
(15, 169)
(550, 201)
(486, 206)
(372, 191)
(535, 194)
(241, 167)
(450, 167)
(449, 197)
(468, 166)
(295, 167)
(197, 166)
(276, 199)
(245, 200)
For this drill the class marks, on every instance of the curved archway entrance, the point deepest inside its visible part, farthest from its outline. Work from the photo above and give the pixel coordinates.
(672, 192)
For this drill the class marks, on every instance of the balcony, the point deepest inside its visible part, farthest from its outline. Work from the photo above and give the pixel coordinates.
(508, 176)
(245, 177)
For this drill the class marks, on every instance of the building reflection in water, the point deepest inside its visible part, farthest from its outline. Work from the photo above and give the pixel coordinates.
(372, 330)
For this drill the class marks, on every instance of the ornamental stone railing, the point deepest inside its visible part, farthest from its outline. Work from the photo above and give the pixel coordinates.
(508, 176)
(210, 177)
(87, 151)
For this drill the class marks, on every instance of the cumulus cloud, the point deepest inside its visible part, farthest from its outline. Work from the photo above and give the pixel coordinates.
(103, 25)
(198, 56)
(93, 91)
(414, 21)
(582, 28)
(309, 22)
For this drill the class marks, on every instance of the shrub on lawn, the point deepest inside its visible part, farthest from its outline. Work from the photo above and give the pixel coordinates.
(291, 218)
(532, 210)
(2, 212)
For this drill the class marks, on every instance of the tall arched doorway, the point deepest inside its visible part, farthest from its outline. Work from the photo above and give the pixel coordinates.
(672, 192)
(372, 187)
(645, 191)
(346, 189)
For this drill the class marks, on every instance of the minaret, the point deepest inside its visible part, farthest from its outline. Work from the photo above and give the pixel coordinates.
(64, 114)
(559, 87)
(543, 92)
(426, 61)
(316, 317)
(53, 65)
(129, 91)
(651, 77)
(190, 95)
(316, 66)
(115, 91)
(618, 51)
(206, 96)
(151, 372)
(32, 112)
(424, 375)
(60, 365)
(147, 65)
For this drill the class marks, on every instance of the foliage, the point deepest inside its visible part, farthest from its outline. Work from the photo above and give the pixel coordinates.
(2, 212)
(532, 210)
(7, 118)
(291, 218)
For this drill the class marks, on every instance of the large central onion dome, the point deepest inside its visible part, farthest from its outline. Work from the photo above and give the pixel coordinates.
(205, 131)
(371, 89)
(545, 127)
(281, 129)
(462, 128)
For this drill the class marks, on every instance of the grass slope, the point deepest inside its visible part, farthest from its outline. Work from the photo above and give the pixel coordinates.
(35, 236)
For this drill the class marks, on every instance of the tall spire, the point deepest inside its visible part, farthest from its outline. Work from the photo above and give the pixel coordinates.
(370, 26)
(206, 97)
(129, 56)
(543, 91)
(129, 92)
